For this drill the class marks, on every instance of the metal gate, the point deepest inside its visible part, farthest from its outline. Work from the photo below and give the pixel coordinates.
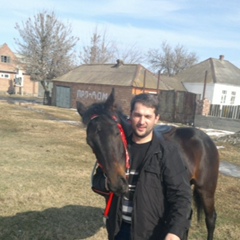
(226, 111)
(63, 97)
(177, 106)
(167, 105)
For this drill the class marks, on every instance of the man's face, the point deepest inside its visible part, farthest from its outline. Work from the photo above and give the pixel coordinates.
(143, 121)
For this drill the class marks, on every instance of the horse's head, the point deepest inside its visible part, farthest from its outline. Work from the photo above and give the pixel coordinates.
(106, 137)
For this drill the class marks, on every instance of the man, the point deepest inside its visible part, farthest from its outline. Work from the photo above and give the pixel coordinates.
(158, 203)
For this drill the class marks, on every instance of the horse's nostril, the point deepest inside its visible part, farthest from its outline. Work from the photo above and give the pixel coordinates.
(124, 180)
(119, 186)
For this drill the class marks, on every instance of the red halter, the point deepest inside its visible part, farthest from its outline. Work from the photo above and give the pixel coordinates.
(124, 140)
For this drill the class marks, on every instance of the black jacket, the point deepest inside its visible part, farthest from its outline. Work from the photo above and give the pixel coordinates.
(162, 200)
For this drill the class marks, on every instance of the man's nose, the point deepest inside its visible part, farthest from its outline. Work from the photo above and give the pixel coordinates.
(142, 119)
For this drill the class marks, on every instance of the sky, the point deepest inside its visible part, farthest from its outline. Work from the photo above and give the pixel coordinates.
(207, 28)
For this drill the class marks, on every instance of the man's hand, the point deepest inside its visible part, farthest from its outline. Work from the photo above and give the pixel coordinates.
(171, 236)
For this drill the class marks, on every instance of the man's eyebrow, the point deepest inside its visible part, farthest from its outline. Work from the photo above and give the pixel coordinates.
(145, 115)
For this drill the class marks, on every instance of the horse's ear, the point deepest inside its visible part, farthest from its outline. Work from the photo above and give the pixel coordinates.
(110, 100)
(81, 108)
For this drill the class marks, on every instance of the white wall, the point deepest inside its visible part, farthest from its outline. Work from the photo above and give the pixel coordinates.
(198, 89)
(213, 92)
(229, 88)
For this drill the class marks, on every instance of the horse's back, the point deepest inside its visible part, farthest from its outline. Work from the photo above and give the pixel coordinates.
(199, 151)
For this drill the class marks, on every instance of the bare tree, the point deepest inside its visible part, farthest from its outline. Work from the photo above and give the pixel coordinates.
(130, 54)
(103, 50)
(47, 47)
(170, 61)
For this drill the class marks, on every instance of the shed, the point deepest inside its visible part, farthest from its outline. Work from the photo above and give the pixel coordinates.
(91, 83)
(172, 83)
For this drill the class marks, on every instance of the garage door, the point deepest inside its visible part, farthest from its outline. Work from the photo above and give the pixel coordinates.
(63, 97)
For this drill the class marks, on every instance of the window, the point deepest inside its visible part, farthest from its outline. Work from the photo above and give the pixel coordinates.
(233, 96)
(18, 81)
(5, 59)
(224, 96)
(4, 75)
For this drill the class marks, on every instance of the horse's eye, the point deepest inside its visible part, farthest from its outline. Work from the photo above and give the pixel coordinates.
(118, 133)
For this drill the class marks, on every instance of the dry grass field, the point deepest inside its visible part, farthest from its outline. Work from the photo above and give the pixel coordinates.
(45, 169)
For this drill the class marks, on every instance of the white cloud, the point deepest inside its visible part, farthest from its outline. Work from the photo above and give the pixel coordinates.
(207, 28)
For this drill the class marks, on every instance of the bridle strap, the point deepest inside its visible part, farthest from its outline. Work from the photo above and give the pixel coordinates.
(124, 140)
(93, 116)
(93, 171)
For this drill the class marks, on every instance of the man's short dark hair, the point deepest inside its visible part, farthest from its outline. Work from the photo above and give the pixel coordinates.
(148, 100)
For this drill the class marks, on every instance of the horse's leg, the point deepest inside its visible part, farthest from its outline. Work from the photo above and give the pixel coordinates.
(210, 212)
(204, 200)
(208, 188)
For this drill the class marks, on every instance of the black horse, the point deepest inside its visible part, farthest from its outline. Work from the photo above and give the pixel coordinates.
(106, 125)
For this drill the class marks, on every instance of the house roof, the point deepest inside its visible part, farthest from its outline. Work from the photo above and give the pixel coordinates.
(7, 67)
(218, 71)
(112, 74)
(172, 83)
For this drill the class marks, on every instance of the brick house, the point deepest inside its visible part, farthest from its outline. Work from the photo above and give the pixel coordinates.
(13, 77)
(90, 83)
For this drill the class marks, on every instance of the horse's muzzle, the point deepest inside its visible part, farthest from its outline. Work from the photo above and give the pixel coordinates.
(120, 187)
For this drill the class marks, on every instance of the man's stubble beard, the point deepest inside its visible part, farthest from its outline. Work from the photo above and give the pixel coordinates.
(141, 136)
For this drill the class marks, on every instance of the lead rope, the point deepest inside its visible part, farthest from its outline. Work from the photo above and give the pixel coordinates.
(109, 203)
